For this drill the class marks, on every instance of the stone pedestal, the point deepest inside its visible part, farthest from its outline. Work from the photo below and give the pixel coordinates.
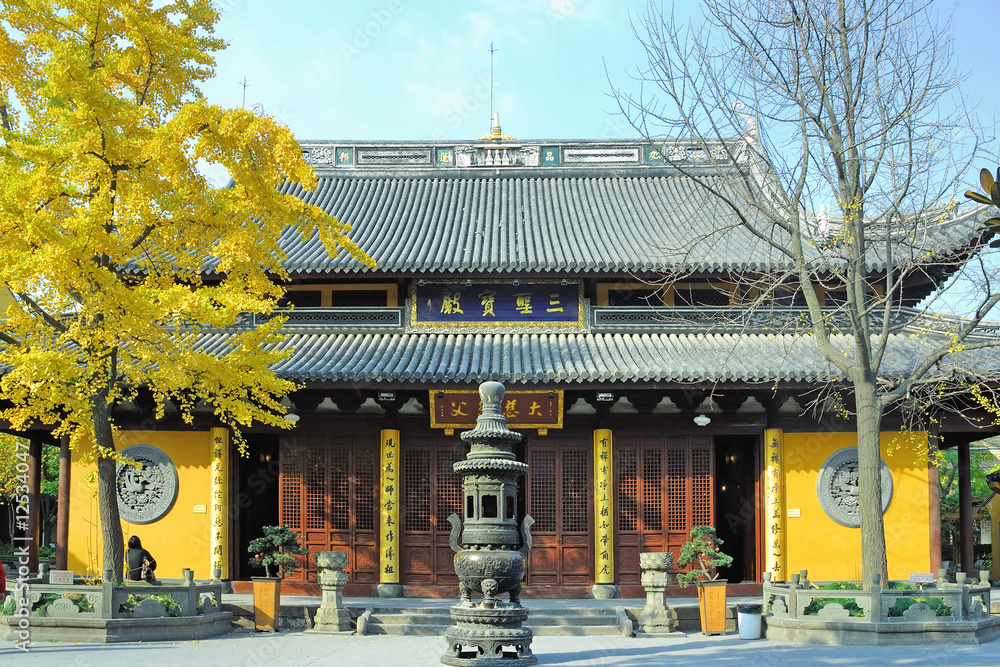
(604, 592)
(389, 590)
(656, 618)
(332, 616)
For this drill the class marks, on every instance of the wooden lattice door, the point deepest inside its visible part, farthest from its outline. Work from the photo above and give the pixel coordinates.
(665, 486)
(558, 499)
(431, 492)
(329, 496)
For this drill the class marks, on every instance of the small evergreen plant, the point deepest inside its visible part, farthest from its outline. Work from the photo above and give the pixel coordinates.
(702, 551)
(276, 549)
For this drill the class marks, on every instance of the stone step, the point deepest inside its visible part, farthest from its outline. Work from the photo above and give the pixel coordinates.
(412, 619)
(382, 628)
(572, 620)
(569, 622)
(573, 630)
(533, 619)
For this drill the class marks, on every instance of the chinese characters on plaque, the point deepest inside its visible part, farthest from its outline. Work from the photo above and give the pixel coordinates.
(461, 304)
(220, 501)
(389, 508)
(523, 409)
(603, 508)
(774, 537)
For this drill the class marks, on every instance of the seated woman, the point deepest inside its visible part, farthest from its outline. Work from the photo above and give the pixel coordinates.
(136, 556)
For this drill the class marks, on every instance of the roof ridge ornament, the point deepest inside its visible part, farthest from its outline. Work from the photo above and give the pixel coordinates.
(495, 133)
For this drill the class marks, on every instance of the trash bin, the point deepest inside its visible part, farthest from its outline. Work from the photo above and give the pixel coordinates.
(748, 616)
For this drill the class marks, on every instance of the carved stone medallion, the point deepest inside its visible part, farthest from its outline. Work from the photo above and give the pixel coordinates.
(837, 487)
(147, 494)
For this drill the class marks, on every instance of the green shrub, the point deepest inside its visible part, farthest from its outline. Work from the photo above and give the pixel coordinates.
(701, 551)
(901, 605)
(45, 600)
(167, 600)
(850, 604)
(7, 550)
(276, 551)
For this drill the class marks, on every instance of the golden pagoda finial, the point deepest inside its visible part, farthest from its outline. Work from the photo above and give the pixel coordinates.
(495, 133)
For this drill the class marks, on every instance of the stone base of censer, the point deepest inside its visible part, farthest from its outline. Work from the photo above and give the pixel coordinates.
(489, 636)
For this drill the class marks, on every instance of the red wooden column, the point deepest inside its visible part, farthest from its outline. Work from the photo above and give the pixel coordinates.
(34, 500)
(965, 508)
(62, 506)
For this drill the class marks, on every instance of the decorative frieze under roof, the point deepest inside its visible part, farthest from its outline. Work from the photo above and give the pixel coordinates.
(329, 157)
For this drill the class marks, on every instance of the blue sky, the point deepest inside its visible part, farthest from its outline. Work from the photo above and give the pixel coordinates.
(402, 69)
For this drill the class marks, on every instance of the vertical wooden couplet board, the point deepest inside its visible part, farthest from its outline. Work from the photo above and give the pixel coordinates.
(774, 512)
(604, 531)
(219, 559)
(389, 508)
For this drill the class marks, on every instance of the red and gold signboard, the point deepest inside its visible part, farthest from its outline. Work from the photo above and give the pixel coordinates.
(523, 409)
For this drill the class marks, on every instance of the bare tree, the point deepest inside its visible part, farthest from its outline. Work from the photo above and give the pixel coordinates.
(830, 136)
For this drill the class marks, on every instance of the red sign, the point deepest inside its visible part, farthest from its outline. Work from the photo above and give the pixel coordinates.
(523, 409)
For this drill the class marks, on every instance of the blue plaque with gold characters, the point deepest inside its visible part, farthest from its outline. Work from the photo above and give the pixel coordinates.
(499, 304)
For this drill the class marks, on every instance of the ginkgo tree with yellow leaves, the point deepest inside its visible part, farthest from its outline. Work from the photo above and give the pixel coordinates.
(118, 251)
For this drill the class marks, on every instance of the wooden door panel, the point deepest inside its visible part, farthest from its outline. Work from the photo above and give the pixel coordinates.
(558, 498)
(543, 565)
(431, 492)
(365, 564)
(328, 496)
(665, 486)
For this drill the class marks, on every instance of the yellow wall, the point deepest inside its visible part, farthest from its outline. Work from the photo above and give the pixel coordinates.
(833, 552)
(178, 540)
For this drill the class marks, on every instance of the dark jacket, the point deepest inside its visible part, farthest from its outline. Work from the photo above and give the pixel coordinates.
(135, 558)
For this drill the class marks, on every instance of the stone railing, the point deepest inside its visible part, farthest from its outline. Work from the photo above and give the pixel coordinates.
(107, 599)
(965, 602)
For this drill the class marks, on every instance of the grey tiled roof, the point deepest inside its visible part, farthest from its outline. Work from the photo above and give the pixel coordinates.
(612, 220)
(577, 358)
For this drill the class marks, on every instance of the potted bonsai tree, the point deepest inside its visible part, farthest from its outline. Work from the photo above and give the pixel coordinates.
(275, 552)
(701, 551)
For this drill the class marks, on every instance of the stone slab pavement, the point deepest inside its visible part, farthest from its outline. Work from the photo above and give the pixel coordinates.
(303, 649)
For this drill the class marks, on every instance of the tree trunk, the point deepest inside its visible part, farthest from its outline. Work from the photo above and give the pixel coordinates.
(107, 490)
(869, 409)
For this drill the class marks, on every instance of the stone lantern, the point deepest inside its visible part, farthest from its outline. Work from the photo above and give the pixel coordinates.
(491, 552)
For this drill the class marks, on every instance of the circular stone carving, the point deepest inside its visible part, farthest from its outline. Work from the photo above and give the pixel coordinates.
(837, 487)
(147, 494)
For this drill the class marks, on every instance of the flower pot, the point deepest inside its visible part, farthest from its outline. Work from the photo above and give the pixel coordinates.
(712, 606)
(266, 603)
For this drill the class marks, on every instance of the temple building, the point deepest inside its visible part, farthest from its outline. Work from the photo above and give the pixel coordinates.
(646, 408)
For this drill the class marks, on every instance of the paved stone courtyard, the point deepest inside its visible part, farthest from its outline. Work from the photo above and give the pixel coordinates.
(302, 649)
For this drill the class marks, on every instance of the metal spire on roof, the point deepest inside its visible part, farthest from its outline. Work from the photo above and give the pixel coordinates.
(495, 133)
(492, 51)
